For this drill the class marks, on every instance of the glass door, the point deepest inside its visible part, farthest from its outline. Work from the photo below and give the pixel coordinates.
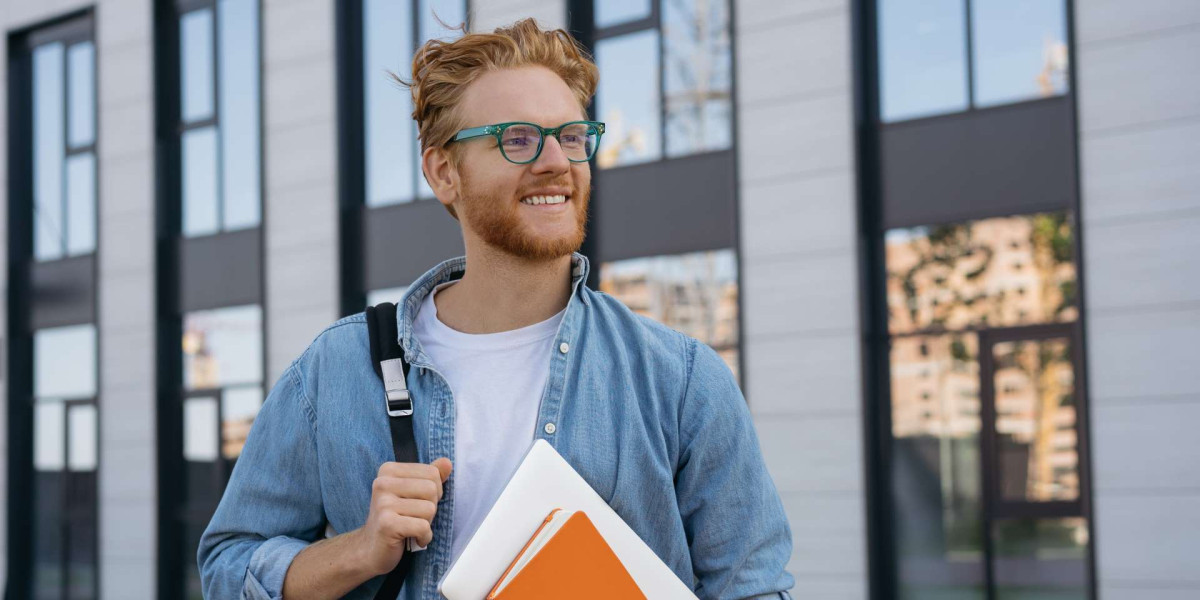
(1035, 525)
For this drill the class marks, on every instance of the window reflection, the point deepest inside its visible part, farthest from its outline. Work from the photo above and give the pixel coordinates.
(922, 58)
(935, 465)
(627, 99)
(615, 12)
(200, 429)
(696, 294)
(64, 362)
(221, 99)
(1020, 50)
(994, 272)
(697, 76)
(222, 347)
(81, 203)
(239, 113)
(200, 210)
(196, 70)
(81, 60)
(1041, 558)
(388, 128)
(48, 151)
(1037, 453)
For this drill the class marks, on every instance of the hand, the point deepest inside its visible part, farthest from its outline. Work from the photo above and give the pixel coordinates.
(404, 501)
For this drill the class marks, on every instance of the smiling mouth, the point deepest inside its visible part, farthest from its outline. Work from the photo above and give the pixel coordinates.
(539, 200)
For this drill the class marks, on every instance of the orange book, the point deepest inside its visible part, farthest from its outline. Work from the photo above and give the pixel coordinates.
(566, 558)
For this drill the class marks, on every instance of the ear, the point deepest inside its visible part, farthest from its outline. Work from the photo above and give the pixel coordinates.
(441, 174)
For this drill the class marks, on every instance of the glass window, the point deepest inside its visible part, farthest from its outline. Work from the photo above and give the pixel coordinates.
(239, 406)
(1020, 50)
(937, 506)
(48, 152)
(239, 113)
(628, 100)
(392, 165)
(222, 347)
(1037, 445)
(698, 79)
(696, 294)
(615, 12)
(960, 297)
(64, 360)
(196, 70)
(49, 436)
(200, 429)
(81, 447)
(81, 70)
(975, 274)
(200, 210)
(922, 58)
(221, 102)
(388, 128)
(1041, 559)
(81, 203)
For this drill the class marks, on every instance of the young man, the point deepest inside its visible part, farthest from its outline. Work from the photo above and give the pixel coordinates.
(506, 345)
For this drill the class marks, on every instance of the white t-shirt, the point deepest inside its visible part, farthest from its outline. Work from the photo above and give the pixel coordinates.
(497, 380)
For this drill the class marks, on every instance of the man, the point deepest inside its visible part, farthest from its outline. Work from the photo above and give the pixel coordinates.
(506, 345)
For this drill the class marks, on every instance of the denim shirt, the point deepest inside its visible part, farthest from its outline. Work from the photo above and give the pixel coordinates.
(651, 418)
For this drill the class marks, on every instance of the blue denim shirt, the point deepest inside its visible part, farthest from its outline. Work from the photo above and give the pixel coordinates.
(651, 418)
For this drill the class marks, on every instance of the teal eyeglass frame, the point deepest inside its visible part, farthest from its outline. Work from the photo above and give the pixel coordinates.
(497, 131)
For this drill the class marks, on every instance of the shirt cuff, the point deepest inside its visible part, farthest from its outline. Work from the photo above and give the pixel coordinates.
(268, 567)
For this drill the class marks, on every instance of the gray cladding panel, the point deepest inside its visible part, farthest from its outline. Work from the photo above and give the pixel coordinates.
(994, 162)
(221, 270)
(669, 207)
(401, 242)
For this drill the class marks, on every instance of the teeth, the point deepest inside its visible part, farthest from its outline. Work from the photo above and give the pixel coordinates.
(536, 200)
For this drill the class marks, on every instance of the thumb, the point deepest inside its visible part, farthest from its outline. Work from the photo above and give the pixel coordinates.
(443, 465)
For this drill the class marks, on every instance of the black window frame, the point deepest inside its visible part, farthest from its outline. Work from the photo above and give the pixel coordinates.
(211, 271)
(875, 221)
(36, 303)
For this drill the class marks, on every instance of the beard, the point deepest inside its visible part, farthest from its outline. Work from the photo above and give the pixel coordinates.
(494, 217)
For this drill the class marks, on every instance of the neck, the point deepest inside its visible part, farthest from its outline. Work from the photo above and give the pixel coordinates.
(501, 292)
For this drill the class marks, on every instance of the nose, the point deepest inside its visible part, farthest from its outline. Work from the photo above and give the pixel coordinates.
(552, 159)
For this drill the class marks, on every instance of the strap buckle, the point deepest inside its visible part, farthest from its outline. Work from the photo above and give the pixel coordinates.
(396, 396)
(399, 403)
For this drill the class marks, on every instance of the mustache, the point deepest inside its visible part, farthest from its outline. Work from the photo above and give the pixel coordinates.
(552, 183)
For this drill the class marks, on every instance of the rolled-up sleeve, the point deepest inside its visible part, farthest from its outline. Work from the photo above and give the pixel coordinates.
(271, 508)
(737, 532)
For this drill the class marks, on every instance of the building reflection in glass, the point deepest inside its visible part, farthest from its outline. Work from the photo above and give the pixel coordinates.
(694, 293)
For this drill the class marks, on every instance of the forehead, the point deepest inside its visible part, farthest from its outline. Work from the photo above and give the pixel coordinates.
(533, 94)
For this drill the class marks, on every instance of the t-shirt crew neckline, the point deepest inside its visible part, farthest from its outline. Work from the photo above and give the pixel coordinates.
(512, 338)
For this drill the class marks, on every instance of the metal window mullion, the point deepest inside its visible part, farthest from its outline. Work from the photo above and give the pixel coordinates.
(219, 184)
(656, 16)
(987, 456)
(970, 62)
(66, 136)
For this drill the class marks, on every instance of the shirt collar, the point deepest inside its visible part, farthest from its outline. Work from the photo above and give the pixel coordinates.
(410, 303)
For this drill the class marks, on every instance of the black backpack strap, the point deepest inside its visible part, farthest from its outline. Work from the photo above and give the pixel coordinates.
(388, 360)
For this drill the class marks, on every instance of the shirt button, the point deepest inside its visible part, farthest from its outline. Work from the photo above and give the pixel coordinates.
(550, 428)
(563, 347)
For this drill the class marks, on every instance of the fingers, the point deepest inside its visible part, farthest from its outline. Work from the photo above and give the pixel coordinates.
(443, 466)
(419, 489)
(397, 527)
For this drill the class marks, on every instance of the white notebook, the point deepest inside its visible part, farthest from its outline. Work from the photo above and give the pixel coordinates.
(544, 482)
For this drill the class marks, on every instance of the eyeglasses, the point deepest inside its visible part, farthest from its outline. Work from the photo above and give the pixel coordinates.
(521, 143)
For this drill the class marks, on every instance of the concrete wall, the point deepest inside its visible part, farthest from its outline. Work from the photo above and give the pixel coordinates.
(126, 283)
(1138, 73)
(489, 14)
(799, 278)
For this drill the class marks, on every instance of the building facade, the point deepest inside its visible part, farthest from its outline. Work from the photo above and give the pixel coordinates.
(948, 248)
